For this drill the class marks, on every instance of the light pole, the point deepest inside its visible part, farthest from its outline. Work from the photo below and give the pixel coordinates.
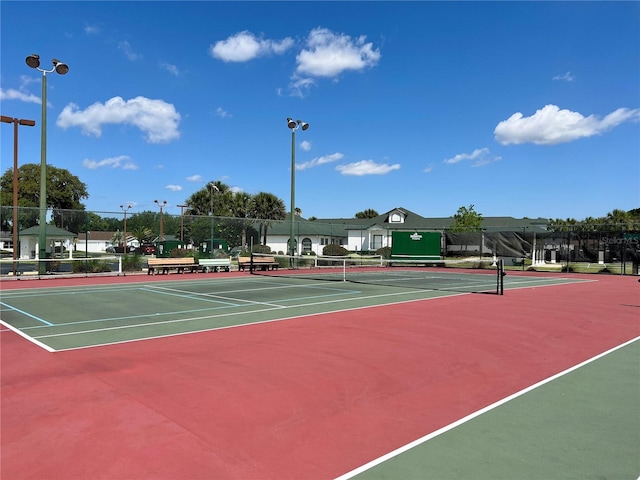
(294, 125)
(182, 207)
(161, 205)
(124, 235)
(33, 61)
(213, 187)
(16, 122)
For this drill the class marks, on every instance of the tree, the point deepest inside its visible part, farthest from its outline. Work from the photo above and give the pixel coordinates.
(466, 220)
(240, 204)
(267, 207)
(64, 192)
(618, 219)
(368, 213)
(200, 201)
(141, 234)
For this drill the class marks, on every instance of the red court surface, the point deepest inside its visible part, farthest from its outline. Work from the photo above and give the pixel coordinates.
(305, 398)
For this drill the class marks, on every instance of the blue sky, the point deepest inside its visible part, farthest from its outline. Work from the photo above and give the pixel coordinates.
(521, 109)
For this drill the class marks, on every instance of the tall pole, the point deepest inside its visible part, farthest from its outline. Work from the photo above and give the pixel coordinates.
(293, 125)
(292, 247)
(161, 205)
(16, 122)
(213, 187)
(42, 225)
(124, 235)
(33, 61)
(182, 207)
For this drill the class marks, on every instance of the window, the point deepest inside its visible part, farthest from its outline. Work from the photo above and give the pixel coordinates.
(377, 242)
(395, 218)
(306, 245)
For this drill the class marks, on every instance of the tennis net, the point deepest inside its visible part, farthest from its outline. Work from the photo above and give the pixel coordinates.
(26, 268)
(465, 275)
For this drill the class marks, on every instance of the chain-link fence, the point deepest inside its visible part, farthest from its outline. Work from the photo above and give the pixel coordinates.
(78, 233)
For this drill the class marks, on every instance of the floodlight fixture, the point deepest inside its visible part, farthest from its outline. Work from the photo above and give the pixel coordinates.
(60, 68)
(33, 60)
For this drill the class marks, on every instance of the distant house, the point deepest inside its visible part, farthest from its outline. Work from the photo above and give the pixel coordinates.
(100, 242)
(370, 234)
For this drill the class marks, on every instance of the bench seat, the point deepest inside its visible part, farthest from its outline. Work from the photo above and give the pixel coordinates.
(214, 264)
(163, 265)
(259, 263)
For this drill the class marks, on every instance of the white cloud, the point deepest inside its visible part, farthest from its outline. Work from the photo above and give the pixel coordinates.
(194, 178)
(334, 157)
(91, 30)
(329, 54)
(125, 47)
(157, 119)
(245, 46)
(467, 156)
(481, 157)
(173, 188)
(12, 94)
(300, 86)
(551, 125)
(305, 145)
(429, 168)
(122, 161)
(222, 113)
(367, 167)
(567, 77)
(172, 69)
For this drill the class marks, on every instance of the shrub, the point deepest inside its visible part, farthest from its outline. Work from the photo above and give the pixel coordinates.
(261, 249)
(384, 252)
(131, 263)
(91, 266)
(335, 251)
(181, 253)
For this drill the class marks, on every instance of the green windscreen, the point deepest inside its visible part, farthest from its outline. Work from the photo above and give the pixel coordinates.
(416, 245)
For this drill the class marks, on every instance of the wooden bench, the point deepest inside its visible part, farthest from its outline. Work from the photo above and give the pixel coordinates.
(163, 265)
(262, 263)
(214, 264)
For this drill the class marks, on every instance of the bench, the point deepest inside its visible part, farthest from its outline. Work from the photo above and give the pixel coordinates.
(262, 263)
(214, 264)
(163, 265)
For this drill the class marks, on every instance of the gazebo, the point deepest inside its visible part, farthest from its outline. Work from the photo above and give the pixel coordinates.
(29, 237)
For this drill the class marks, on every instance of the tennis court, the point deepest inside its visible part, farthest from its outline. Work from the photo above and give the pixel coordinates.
(77, 316)
(248, 376)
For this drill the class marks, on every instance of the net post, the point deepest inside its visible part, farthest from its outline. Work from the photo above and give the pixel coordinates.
(501, 275)
(344, 269)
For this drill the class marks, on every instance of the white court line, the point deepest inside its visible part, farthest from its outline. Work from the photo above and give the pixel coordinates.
(242, 325)
(473, 415)
(27, 337)
(232, 314)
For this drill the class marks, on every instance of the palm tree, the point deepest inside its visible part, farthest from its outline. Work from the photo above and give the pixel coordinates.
(368, 213)
(240, 204)
(618, 219)
(267, 207)
(141, 234)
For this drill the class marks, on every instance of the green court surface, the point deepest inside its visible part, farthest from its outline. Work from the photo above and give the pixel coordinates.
(65, 318)
(582, 424)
